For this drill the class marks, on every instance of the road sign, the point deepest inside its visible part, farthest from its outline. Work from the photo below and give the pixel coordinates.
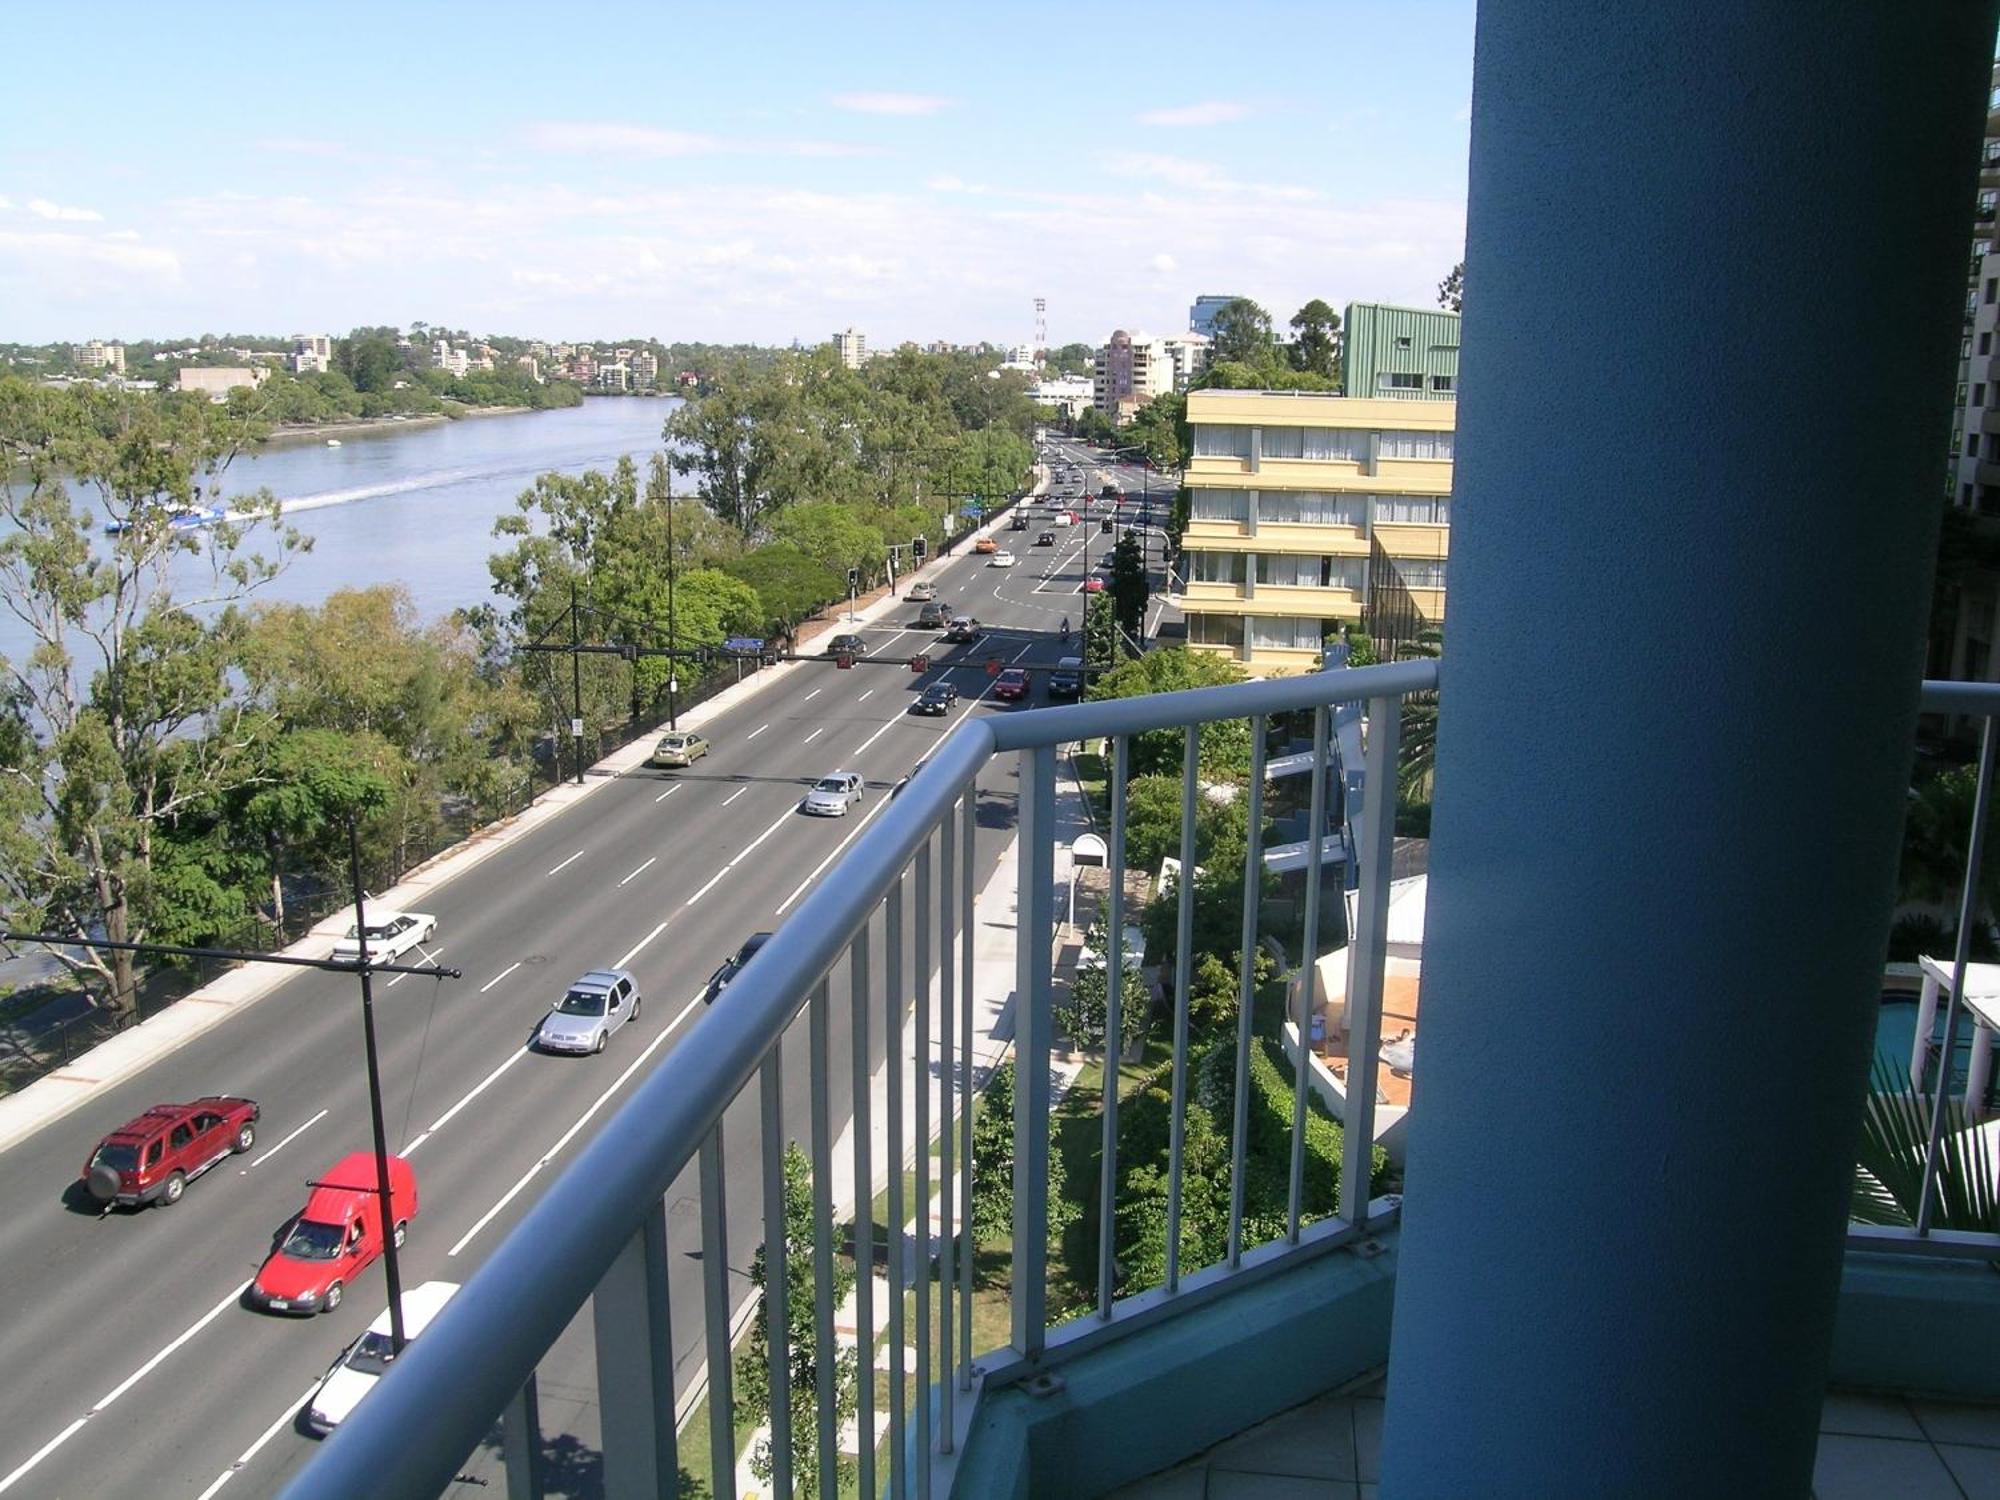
(576, 729)
(744, 645)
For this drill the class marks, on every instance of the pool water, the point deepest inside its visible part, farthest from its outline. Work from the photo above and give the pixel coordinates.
(1896, 1028)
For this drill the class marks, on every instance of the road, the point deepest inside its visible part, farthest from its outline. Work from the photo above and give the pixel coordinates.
(135, 1367)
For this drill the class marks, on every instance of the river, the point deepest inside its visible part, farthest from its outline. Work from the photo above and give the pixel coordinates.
(416, 506)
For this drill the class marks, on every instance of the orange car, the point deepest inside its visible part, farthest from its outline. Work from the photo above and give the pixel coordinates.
(985, 546)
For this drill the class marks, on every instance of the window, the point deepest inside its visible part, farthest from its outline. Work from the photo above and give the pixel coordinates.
(1402, 341)
(1980, 247)
(180, 1135)
(1417, 444)
(1282, 633)
(1215, 567)
(153, 1152)
(1972, 445)
(1992, 289)
(1402, 382)
(1213, 440)
(1979, 394)
(1216, 630)
(1414, 510)
(1965, 495)
(1284, 570)
(1986, 342)
(1311, 507)
(1220, 505)
(1443, 382)
(1992, 447)
(1420, 572)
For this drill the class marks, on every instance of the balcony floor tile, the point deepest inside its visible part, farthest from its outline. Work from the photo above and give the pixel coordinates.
(1868, 1416)
(1235, 1484)
(1977, 1470)
(1869, 1468)
(1959, 1422)
(1314, 1441)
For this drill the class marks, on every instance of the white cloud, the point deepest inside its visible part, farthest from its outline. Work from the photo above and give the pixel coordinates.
(292, 145)
(60, 256)
(41, 208)
(889, 104)
(1164, 263)
(5, 202)
(1209, 112)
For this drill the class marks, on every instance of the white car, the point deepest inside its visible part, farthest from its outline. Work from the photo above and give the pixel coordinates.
(833, 795)
(390, 935)
(363, 1362)
(922, 593)
(1001, 559)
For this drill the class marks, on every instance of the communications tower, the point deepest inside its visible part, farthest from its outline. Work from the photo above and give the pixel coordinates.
(1041, 329)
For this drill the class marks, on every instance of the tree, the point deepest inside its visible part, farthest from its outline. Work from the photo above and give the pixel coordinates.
(753, 1369)
(1242, 332)
(370, 358)
(1160, 428)
(1316, 349)
(1129, 588)
(1070, 359)
(1225, 743)
(1086, 1008)
(993, 1165)
(1153, 822)
(122, 718)
(790, 585)
(1101, 646)
(1451, 291)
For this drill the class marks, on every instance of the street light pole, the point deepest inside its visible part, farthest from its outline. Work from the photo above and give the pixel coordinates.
(673, 670)
(391, 1256)
(576, 682)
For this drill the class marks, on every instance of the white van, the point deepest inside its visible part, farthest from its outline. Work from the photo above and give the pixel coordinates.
(363, 1362)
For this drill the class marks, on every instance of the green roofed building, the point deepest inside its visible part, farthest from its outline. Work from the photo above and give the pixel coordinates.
(1400, 352)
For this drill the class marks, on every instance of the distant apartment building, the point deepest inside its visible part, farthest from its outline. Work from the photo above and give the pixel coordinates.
(1067, 394)
(529, 366)
(1201, 317)
(98, 355)
(1408, 353)
(1310, 512)
(217, 381)
(1188, 353)
(481, 358)
(1130, 370)
(312, 354)
(645, 368)
(455, 362)
(852, 347)
(613, 376)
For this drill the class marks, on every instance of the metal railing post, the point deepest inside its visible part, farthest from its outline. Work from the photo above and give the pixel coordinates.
(1114, 1037)
(1308, 973)
(777, 1270)
(825, 1350)
(521, 1443)
(715, 1314)
(635, 1366)
(1246, 989)
(921, 1064)
(968, 826)
(1035, 905)
(1183, 964)
(864, 1212)
(947, 1058)
(1370, 941)
(898, 1210)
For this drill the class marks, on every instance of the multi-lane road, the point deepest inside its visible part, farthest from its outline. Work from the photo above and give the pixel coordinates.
(133, 1366)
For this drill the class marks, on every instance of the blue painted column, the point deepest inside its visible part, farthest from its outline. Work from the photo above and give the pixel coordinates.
(1715, 275)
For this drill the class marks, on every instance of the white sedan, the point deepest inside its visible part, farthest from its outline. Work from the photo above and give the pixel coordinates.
(833, 795)
(390, 935)
(1000, 560)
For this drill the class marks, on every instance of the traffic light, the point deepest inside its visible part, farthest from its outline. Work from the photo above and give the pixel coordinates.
(917, 549)
(843, 660)
(920, 664)
(853, 580)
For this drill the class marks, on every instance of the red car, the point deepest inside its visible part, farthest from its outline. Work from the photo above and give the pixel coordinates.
(1093, 585)
(336, 1238)
(1011, 686)
(153, 1158)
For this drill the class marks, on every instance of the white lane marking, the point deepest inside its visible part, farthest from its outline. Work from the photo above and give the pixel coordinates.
(481, 1087)
(782, 819)
(498, 977)
(284, 1417)
(810, 696)
(864, 697)
(705, 889)
(286, 1141)
(573, 858)
(755, 732)
(821, 866)
(640, 871)
(429, 953)
(814, 735)
(118, 1390)
(570, 1134)
(734, 795)
(631, 954)
(41, 1453)
(885, 645)
(668, 792)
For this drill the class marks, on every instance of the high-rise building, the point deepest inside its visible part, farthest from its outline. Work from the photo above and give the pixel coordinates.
(1311, 512)
(1130, 370)
(1409, 353)
(1188, 355)
(1201, 317)
(311, 353)
(98, 355)
(852, 346)
(645, 367)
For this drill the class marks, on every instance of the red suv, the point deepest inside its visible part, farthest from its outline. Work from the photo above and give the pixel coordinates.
(152, 1159)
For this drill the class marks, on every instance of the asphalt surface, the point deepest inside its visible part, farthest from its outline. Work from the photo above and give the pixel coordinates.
(134, 1367)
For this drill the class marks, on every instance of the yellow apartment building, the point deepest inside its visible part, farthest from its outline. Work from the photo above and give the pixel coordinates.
(1308, 511)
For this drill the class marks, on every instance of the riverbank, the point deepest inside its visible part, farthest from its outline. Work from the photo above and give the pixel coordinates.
(365, 426)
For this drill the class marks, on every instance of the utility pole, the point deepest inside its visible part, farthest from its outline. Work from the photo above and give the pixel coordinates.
(391, 1255)
(576, 682)
(673, 672)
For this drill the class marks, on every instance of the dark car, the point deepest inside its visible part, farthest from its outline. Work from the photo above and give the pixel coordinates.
(934, 616)
(1045, 539)
(852, 643)
(1067, 679)
(152, 1159)
(1011, 686)
(937, 699)
(740, 960)
(1019, 523)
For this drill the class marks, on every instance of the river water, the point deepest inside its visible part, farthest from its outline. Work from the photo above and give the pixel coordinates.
(416, 506)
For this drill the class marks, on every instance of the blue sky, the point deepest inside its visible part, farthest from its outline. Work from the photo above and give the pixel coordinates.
(723, 173)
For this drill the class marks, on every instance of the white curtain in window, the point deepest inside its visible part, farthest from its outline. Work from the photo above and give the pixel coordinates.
(1220, 505)
(1343, 444)
(1215, 567)
(1282, 633)
(1214, 440)
(1398, 444)
(1420, 510)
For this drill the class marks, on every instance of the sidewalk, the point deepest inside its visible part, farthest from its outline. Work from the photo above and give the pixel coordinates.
(55, 1094)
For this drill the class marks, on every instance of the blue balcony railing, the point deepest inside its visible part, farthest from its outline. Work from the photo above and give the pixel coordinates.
(893, 937)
